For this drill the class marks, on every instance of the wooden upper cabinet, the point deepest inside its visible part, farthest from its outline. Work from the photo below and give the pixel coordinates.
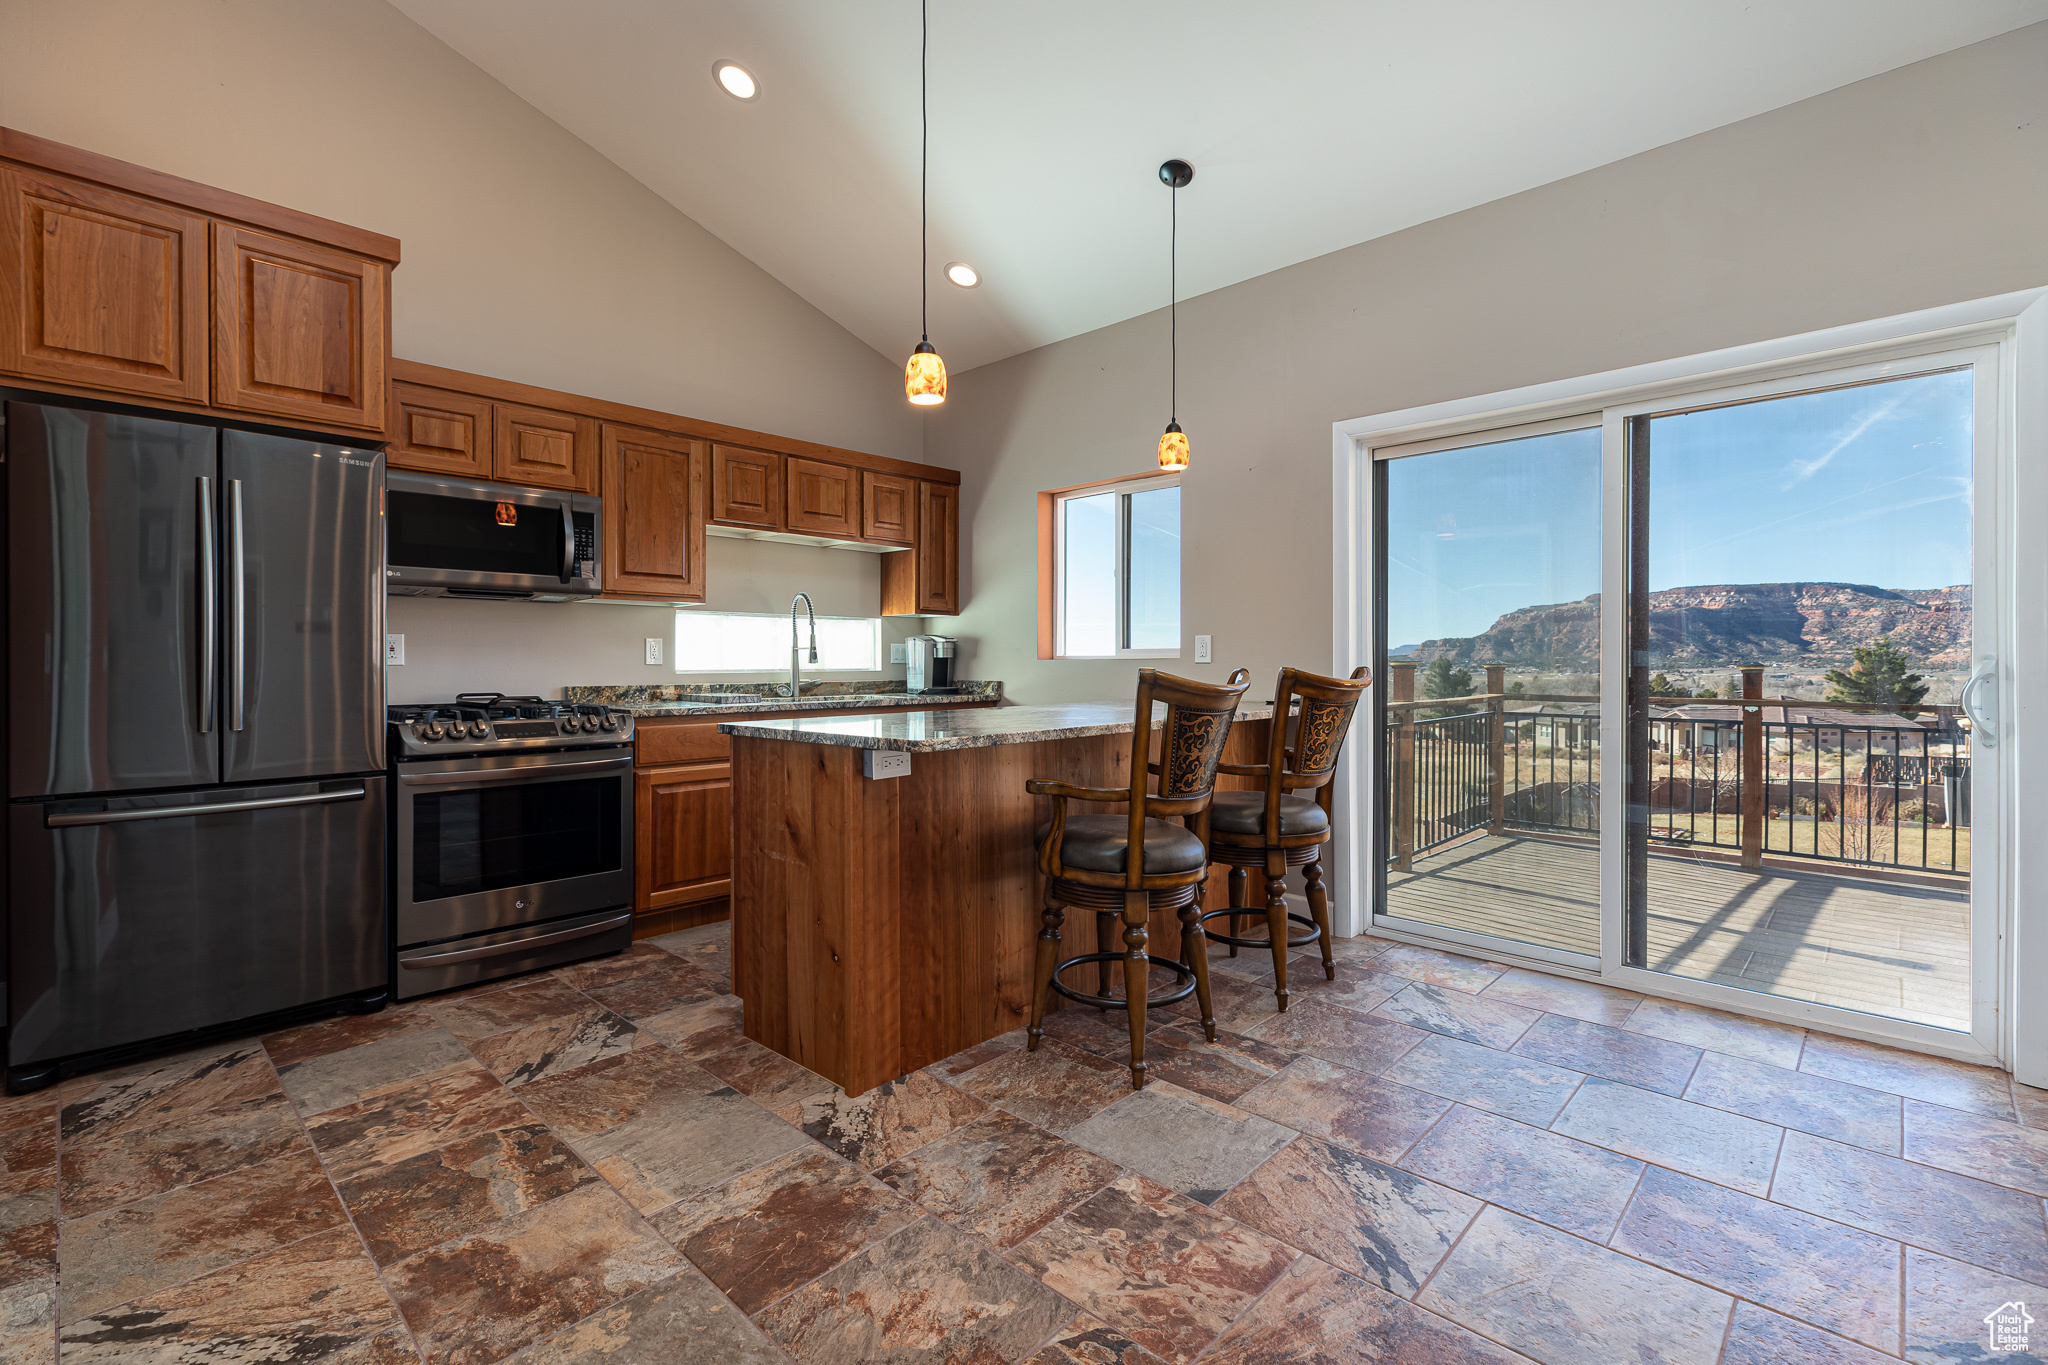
(101, 290)
(888, 508)
(822, 499)
(654, 503)
(746, 487)
(544, 449)
(439, 432)
(300, 331)
(938, 548)
(925, 580)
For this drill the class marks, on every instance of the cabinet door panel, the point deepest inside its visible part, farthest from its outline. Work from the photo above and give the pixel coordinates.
(654, 500)
(659, 742)
(101, 290)
(822, 499)
(682, 835)
(938, 548)
(299, 330)
(544, 449)
(440, 432)
(888, 508)
(746, 487)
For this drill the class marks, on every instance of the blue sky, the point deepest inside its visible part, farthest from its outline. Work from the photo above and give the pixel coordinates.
(1862, 485)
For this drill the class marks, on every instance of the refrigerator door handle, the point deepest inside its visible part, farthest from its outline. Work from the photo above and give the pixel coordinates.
(514, 948)
(238, 609)
(568, 541)
(111, 817)
(209, 623)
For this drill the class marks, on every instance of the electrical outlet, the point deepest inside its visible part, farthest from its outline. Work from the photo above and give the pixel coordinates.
(394, 649)
(884, 763)
(654, 649)
(1201, 649)
(899, 653)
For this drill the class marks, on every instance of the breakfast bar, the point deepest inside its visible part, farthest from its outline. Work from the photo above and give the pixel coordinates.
(882, 923)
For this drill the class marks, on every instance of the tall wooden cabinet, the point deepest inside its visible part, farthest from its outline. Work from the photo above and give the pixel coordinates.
(119, 281)
(925, 580)
(654, 504)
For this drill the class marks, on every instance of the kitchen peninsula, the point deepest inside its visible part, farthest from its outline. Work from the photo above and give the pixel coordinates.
(882, 924)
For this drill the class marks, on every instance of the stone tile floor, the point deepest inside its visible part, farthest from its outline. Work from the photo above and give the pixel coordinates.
(1432, 1159)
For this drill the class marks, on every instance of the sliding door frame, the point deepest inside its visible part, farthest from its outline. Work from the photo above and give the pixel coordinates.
(2010, 954)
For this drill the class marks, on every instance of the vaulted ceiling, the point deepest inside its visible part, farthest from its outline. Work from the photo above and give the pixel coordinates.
(1312, 125)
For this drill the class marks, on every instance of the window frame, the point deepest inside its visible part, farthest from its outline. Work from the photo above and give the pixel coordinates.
(1124, 488)
(874, 623)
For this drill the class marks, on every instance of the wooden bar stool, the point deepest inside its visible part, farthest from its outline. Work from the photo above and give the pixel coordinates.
(1276, 830)
(1135, 863)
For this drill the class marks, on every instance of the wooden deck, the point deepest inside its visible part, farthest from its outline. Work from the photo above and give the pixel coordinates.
(1881, 947)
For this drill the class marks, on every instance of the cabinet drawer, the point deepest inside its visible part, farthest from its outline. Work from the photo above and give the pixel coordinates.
(657, 742)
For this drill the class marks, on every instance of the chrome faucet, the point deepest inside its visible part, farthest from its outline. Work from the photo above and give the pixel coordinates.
(796, 682)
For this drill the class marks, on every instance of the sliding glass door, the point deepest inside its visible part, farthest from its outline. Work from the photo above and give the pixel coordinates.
(1699, 694)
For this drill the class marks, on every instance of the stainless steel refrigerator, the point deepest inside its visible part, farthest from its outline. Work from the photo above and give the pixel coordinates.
(195, 731)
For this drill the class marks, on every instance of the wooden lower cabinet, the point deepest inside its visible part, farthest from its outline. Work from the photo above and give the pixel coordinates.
(682, 836)
(682, 819)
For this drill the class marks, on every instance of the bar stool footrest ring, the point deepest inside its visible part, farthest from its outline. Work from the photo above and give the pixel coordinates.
(1258, 912)
(1173, 997)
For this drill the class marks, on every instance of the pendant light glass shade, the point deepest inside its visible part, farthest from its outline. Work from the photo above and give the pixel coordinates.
(1173, 448)
(924, 378)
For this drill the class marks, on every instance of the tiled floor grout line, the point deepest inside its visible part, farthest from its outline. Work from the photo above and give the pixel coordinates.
(1621, 1214)
(1251, 1305)
(334, 1188)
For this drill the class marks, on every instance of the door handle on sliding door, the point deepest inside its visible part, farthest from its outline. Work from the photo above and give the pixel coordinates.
(208, 585)
(1983, 721)
(238, 608)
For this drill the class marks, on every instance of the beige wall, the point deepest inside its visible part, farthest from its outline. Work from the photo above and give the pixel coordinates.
(1924, 186)
(527, 255)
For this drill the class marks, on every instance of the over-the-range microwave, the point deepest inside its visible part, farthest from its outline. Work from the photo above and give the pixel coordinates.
(447, 537)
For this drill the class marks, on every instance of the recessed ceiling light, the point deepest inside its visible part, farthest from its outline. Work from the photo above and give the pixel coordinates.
(963, 274)
(735, 80)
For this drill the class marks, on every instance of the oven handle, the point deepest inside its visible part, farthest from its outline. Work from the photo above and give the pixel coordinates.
(518, 948)
(109, 817)
(476, 776)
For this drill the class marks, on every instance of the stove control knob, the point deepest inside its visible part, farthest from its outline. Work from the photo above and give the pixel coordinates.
(479, 729)
(591, 722)
(608, 723)
(430, 730)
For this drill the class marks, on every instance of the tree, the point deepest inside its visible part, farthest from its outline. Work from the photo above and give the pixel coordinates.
(1444, 679)
(1661, 686)
(1705, 692)
(1518, 688)
(1879, 676)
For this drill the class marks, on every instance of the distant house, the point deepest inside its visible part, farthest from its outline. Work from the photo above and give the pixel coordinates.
(1710, 727)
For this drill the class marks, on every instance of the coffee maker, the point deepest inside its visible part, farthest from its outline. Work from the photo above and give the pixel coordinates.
(931, 663)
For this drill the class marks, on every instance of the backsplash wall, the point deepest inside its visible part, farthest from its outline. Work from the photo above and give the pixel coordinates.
(538, 648)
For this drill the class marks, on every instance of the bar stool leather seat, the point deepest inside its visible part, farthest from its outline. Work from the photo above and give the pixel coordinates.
(1245, 813)
(1102, 843)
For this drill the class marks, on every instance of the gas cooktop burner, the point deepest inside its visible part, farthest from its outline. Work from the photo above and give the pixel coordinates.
(485, 722)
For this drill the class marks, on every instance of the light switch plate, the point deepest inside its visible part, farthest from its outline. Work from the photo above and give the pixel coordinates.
(394, 649)
(654, 649)
(1201, 649)
(880, 763)
(899, 653)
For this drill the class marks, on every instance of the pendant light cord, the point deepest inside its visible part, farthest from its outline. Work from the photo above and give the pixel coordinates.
(1173, 310)
(924, 176)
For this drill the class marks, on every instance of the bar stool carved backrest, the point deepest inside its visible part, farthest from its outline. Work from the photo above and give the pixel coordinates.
(1275, 829)
(1138, 862)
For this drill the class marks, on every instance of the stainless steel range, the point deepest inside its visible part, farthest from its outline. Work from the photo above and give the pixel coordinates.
(512, 837)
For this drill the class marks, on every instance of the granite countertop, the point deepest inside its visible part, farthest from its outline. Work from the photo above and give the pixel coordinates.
(937, 731)
(673, 699)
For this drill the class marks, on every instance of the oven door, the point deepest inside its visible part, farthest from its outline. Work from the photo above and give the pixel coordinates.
(506, 839)
(461, 538)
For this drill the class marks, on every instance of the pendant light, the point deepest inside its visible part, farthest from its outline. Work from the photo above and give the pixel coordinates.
(924, 378)
(1173, 446)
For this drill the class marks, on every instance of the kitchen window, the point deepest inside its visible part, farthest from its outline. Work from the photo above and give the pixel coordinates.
(736, 642)
(1115, 590)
